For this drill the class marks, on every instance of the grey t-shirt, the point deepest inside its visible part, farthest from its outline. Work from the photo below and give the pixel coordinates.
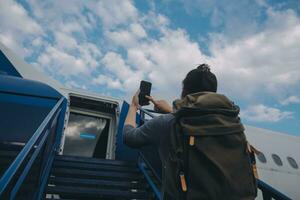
(154, 132)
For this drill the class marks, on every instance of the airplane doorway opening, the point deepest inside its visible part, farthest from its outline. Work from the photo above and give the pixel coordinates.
(87, 135)
(91, 128)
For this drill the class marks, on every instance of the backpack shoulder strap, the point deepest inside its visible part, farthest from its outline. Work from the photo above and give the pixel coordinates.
(180, 144)
(252, 151)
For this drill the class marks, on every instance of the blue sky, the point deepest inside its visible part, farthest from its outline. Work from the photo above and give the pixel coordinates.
(108, 46)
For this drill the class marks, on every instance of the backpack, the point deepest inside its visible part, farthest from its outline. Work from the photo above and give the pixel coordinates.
(214, 160)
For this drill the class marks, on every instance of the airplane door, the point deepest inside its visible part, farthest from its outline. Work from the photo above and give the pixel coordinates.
(86, 135)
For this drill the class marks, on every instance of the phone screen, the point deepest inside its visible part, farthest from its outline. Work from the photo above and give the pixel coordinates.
(145, 89)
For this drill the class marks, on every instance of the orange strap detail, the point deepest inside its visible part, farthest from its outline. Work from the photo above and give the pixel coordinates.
(183, 182)
(192, 141)
(254, 151)
(255, 172)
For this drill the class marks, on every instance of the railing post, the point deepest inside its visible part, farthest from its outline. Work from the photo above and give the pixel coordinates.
(60, 126)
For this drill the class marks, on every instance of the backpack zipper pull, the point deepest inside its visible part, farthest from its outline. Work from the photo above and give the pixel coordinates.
(183, 182)
(192, 141)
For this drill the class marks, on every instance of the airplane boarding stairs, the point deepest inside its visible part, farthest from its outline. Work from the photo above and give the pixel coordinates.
(86, 178)
(90, 178)
(35, 170)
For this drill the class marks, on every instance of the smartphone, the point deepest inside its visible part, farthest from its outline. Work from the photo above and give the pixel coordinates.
(145, 89)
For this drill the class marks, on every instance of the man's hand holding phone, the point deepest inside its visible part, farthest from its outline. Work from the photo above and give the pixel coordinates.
(160, 105)
(142, 98)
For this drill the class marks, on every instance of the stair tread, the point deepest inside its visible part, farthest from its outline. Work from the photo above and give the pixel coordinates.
(8, 153)
(93, 192)
(9, 146)
(93, 182)
(74, 177)
(94, 166)
(94, 160)
(78, 172)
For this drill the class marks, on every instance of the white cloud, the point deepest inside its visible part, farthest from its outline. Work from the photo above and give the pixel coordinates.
(155, 21)
(17, 27)
(109, 82)
(266, 63)
(262, 113)
(138, 30)
(115, 63)
(129, 78)
(64, 41)
(114, 12)
(170, 58)
(62, 63)
(123, 38)
(163, 61)
(236, 18)
(290, 100)
(127, 37)
(138, 59)
(74, 84)
(64, 50)
(15, 18)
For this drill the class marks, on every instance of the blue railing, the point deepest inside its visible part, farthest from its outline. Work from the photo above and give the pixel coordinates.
(146, 163)
(144, 166)
(151, 162)
(27, 176)
(269, 192)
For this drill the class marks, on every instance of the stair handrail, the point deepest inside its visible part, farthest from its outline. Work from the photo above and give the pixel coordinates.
(11, 180)
(145, 164)
(267, 190)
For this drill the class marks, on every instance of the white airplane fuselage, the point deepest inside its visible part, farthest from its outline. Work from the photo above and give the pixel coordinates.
(285, 177)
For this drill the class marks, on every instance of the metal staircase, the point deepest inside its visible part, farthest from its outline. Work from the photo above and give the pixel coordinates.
(36, 171)
(90, 178)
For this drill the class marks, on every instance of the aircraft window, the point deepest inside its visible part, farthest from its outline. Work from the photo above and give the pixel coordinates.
(261, 157)
(277, 159)
(293, 162)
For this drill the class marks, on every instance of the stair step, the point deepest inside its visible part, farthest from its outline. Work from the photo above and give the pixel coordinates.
(7, 153)
(53, 198)
(62, 172)
(95, 161)
(87, 193)
(10, 146)
(74, 178)
(93, 166)
(97, 183)
(6, 158)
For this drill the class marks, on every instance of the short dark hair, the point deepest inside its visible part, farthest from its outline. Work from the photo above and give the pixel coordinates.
(200, 79)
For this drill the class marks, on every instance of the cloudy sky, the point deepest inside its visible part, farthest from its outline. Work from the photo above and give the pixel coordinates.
(108, 46)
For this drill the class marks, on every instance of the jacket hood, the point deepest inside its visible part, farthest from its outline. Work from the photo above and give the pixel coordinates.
(208, 100)
(208, 113)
